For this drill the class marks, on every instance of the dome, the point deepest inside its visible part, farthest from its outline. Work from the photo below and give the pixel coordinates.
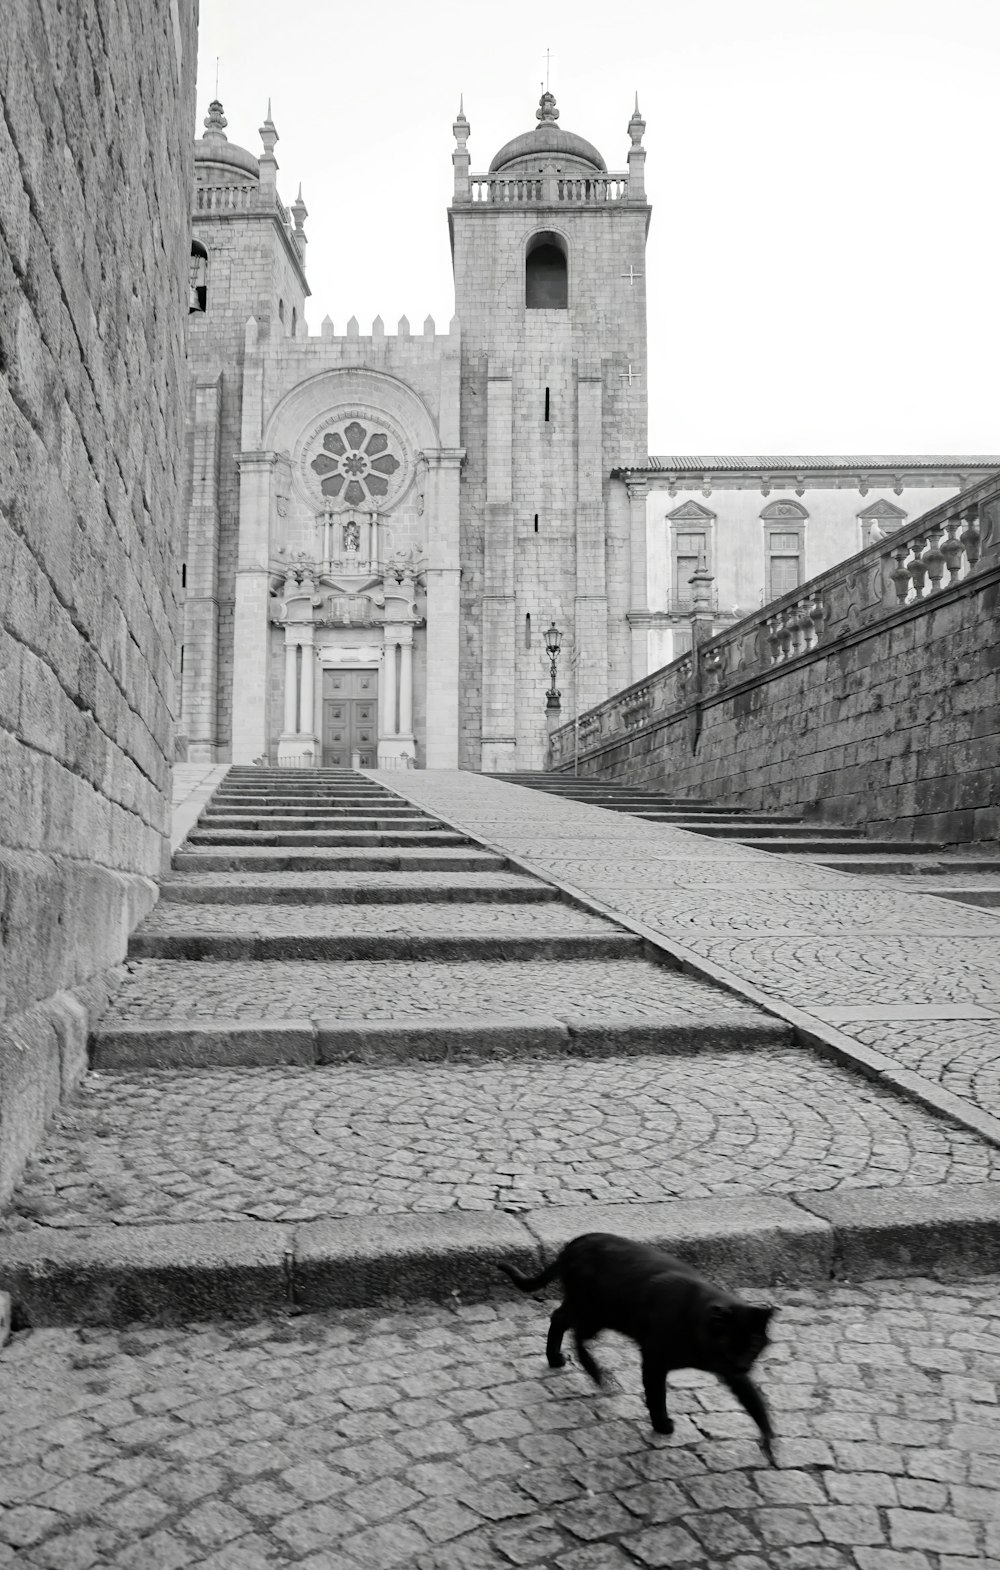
(216, 148)
(548, 139)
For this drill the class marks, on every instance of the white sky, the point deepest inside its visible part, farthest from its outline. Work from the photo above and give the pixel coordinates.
(822, 267)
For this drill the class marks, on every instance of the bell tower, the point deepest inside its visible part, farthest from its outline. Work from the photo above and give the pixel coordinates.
(548, 249)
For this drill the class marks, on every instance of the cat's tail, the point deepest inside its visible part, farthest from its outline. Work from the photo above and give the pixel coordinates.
(530, 1283)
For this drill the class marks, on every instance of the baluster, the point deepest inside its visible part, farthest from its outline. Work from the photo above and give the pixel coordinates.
(774, 638)
(951, 549)
(918, 572)
(817, 616)
(971, 536)
(933, 559)
(900, 574)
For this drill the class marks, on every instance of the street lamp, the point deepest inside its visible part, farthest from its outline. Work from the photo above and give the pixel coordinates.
(553, 643)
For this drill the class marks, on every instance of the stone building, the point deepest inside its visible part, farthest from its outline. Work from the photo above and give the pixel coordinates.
(762, 526)
(407, 513)
(372, 578)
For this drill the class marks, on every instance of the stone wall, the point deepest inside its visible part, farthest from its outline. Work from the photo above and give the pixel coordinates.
(871, 698)
(95, 151)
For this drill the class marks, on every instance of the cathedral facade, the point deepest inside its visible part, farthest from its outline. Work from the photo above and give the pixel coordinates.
(381, 526)
(372, 579)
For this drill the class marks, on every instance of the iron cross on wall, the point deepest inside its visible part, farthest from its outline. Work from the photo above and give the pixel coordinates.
(631, 275)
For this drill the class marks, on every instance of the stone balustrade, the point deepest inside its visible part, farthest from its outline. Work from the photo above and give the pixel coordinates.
(590, 190)
(927, 561)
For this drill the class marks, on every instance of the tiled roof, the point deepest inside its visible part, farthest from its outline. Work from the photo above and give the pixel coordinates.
(829, 461)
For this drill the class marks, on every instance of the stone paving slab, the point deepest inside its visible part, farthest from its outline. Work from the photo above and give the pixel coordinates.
(296, 1144)
(438, 1439)
(577, 992)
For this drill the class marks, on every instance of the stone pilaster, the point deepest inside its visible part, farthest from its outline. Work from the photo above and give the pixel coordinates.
(638, 490)
(442, 576)
(251, 619)
(590, 671)
(200, 588)
(499, 719)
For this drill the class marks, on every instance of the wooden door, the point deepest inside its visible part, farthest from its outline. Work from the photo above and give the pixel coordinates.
(350, 718)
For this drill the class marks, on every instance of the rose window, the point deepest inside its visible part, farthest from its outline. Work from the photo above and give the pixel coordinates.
(355, 464)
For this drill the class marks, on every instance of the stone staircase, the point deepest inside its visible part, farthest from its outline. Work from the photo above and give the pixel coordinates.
(970, 875)
(341, 1008)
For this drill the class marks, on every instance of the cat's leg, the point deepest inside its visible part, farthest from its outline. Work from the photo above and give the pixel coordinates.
(581, 1335)
(753, 1402)
(558, 1326)
(654, 1385)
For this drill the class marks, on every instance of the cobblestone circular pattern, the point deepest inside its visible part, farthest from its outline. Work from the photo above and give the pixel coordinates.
(300, 1144)
(438, 1440)
(961, 1055)
(794, 910)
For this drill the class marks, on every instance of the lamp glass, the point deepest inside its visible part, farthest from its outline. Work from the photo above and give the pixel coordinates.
(553, 639)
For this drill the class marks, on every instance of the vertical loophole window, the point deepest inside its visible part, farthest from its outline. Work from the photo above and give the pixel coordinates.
(536, 523)
(295, 321)
(182, 660)
(527, 632)
(546, 273)
(281, 310)
(198, 279)
(546, 403)
(184, 574)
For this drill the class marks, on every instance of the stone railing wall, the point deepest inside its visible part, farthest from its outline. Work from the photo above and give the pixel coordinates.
(594, 190)
(869, 695)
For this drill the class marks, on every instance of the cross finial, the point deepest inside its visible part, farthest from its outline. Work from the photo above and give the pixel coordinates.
(216, 76)
(548, 59)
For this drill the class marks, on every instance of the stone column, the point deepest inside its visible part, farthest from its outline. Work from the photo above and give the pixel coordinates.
(307, 719)
(291, 682)
(389, 685)
(200, 593)
(406, 683)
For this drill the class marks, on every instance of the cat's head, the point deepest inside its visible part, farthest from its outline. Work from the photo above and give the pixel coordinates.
(738, 1333)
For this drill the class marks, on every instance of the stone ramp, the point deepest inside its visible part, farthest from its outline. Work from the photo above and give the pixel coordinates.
(270, 1117)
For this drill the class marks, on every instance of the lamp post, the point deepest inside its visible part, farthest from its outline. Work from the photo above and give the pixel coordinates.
(553, 643)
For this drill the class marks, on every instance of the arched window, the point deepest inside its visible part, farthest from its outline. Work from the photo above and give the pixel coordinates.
(281, 311)
(546, 273)
(198, 279)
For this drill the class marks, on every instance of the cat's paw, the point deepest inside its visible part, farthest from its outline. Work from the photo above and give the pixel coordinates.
(557, 1360)
(663, 1425)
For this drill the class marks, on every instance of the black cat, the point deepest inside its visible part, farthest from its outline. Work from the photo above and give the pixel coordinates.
(679, 1320)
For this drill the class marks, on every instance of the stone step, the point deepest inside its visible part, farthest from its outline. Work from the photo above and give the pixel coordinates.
(346, 888)
(764, 829)
(721, 823)
(320, 821)
(903, 864)
(598, 993)
(383, 808)
(377, 858)
(306, 797)
(988, 898)
(348, 932)
(320, 837)
(170, 1045)
(823, 847)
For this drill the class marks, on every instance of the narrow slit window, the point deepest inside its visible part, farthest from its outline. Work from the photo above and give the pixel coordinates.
(184, 574)
(546, 403)
(527, 632)
(182, 660)
(536, 523)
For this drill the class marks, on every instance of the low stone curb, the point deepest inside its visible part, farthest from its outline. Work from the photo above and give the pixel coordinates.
(311, 1043)
(202, 1270)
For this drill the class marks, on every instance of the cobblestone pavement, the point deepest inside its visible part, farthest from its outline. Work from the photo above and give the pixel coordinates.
(438, 1439)
(961, 1055)
(573, 990)
(299, 1144)
(802, 934)
(417, 919)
